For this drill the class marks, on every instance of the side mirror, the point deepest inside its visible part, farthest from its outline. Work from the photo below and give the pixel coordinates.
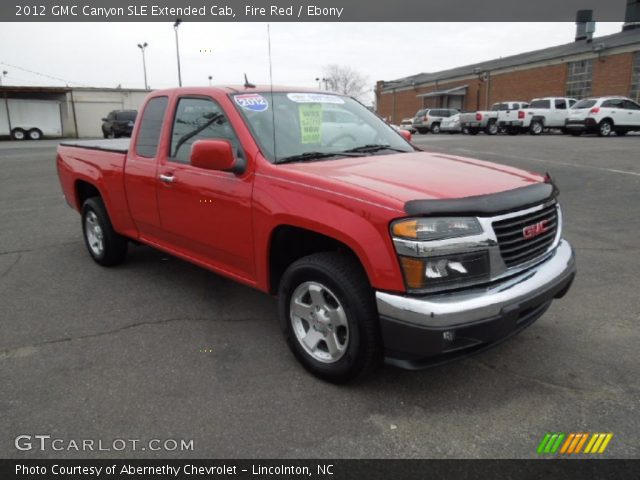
(105, 120)
(406, 134)
(212, 155)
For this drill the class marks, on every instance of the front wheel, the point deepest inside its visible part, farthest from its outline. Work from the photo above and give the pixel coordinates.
(435, 128)
(104, 244)
(18, 134)
(35, 134)
(328, 315)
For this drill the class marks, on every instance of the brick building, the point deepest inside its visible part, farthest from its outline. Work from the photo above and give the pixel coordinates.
(608, 65)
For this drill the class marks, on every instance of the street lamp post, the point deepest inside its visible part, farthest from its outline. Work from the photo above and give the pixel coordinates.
(142, 47)
(210, 78)
(175, 29)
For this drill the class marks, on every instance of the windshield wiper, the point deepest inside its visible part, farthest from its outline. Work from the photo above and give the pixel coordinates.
(306, 156)
(374, 147)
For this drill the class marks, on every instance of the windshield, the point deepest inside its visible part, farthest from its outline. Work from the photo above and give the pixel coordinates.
(586, 103)
(311, 126)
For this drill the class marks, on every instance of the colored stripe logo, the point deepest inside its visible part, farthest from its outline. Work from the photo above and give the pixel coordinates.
(574, 443)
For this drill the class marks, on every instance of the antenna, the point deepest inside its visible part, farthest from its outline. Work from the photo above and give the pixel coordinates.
(247, 84)
(273, 109)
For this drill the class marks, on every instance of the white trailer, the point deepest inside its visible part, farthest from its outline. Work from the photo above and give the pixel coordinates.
(30, 119)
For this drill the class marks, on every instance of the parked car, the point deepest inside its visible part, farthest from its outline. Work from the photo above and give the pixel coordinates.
(604, 115)
(119, 123)
(508, 116)
(430, 119)
(451, 124)
(380, 250)
(407, 124)
(544, 113)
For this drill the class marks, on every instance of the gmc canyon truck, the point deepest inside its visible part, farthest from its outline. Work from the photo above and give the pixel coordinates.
(375, 249)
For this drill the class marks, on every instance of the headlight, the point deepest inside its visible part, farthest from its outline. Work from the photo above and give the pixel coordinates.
(436, 228)
(426, 272)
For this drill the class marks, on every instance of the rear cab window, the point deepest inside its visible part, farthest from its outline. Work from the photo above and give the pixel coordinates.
(151, 127)
(543, 104)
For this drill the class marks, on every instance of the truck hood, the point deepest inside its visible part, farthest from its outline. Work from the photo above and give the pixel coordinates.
(417, 175)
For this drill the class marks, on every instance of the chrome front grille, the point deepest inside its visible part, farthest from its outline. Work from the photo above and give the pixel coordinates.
(526, 237)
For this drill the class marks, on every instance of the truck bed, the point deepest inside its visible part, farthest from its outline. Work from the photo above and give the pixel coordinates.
(118, 145)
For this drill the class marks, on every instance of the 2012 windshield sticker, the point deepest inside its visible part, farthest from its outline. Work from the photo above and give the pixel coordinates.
(252, 102)
(314, 98)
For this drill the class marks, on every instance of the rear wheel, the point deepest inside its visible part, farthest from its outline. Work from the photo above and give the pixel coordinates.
(435, 128)
(536, 127)
(605, 128)
(35, 134)
(491, 128)
(328, 315)
(104, 244)
(18, 134)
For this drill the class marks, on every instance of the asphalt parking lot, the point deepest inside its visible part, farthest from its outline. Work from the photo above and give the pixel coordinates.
(160, 349)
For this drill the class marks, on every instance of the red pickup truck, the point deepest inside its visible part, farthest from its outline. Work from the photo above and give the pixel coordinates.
(375, 249)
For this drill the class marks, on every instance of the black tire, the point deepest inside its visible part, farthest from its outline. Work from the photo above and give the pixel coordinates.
(344, 277)
(473, 131)
(111, 133)
(435, 128)
(104, 133)
(575, 133)
(491, 128)
(18, 134)
(114, 245)
(536, 127)
(34, 134)
(605, 127)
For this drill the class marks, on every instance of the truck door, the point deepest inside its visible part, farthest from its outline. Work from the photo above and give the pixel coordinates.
(140, 168)
(205, 214)
(559, 113)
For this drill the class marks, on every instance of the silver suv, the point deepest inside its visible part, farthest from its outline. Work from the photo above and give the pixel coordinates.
(429, 119)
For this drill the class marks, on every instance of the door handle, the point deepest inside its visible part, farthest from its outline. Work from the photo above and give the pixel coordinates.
(167, 178)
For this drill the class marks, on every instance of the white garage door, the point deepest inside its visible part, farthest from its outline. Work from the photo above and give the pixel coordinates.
(89, 116)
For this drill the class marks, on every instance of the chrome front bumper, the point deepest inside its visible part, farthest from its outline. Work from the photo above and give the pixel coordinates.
(479, 304)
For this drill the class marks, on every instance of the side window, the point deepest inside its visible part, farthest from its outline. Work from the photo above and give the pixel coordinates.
(198, 119)
(150, 127)
(629, 105)
(561, 104)
(572, 103)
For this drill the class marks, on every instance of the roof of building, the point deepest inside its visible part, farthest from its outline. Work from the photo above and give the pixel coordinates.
(620, 39)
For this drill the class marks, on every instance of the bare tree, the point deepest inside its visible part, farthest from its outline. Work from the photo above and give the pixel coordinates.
(344, 79)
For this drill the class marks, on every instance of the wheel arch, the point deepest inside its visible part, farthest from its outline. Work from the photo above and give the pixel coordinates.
(288, 243)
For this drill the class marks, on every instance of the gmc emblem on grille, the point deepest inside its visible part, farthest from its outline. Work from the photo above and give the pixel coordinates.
(532, 231)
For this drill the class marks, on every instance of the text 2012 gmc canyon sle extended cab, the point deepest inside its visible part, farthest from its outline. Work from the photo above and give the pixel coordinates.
(375, 248)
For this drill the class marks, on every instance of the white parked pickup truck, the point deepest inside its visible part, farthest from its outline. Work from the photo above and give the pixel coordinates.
(543, 113)
(488, 121)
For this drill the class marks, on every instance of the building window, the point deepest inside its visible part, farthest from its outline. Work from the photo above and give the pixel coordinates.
(579, 79)
(635, 78)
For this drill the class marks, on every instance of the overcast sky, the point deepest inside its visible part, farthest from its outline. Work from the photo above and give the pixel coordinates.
(105, 54)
